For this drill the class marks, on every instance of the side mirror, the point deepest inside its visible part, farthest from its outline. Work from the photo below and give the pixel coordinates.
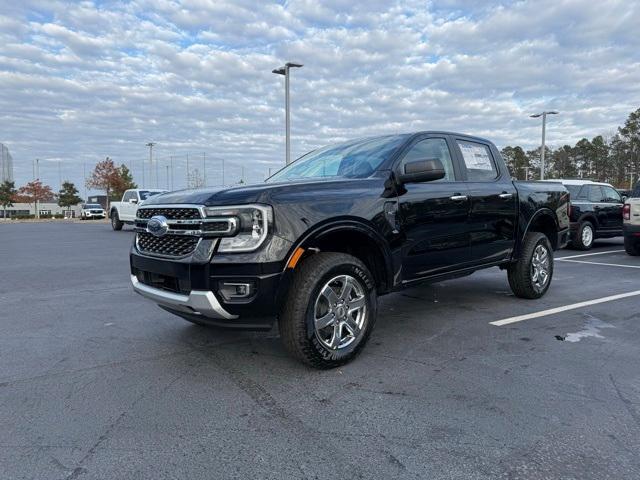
(425, 170)
(624, 198)
(133, 200)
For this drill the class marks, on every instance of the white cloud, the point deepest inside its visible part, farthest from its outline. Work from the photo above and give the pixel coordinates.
(83, 80)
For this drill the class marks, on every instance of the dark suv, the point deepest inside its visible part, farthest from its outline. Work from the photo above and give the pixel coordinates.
(596, 212)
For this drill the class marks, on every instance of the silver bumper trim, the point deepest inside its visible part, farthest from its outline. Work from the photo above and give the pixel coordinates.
(200, 302)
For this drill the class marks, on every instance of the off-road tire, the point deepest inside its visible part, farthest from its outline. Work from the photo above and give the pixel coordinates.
(296, 319)
(520, 273)
(577, 241)
(632, 246)
(116, 224)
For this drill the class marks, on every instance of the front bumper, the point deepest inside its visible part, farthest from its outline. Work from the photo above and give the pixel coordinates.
(199, 302)
(194, 290)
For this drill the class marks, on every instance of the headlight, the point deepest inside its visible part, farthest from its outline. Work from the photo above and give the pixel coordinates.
(253, 223)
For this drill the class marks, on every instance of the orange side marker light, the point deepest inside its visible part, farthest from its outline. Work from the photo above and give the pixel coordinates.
(295, 257)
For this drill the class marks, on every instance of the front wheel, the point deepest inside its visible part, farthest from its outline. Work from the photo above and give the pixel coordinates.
(116, 224)
(531, 275)
(329, 311)
(632, 246)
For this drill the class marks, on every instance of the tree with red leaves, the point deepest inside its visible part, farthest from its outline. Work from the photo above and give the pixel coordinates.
(106, 176)
(35, 192)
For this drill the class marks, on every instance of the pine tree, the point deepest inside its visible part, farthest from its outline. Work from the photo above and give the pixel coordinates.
(68, 195)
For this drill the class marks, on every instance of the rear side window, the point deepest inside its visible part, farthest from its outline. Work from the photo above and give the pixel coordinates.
(432, 148)
(478, 161)
(595, 193)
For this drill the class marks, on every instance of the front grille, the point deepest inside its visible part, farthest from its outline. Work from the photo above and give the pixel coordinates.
(169, 245)
(170, 213)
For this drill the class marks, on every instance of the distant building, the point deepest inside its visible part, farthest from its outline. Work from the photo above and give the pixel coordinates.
(45, 208)
(101, 199)
(6, 164)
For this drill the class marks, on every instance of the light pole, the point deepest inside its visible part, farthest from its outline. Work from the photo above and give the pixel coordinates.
(544, 126)
(285, 71)
(150, 145)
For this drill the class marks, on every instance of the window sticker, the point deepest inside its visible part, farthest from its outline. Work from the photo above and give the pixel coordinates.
(476, 156)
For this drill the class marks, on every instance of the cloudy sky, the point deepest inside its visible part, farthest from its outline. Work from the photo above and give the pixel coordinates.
(80, 81)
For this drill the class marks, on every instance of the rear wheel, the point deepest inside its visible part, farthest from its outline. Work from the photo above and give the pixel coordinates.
(632, 246)
(116, 224)
(531, 275)
(330, 310)
(584, 236)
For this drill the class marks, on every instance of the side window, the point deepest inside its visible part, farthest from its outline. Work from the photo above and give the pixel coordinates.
(432, 148)
(582, 194)
(127, 196)
(611, 195)
(478, 161)
(595, 193)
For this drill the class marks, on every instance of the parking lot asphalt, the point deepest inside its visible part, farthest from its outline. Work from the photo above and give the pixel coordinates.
(98, 383)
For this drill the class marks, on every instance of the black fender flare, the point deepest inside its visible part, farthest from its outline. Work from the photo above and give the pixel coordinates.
(348, 225)
(543, 212)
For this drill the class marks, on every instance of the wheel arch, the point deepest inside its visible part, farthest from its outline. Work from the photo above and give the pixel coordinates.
(543, 221)
(355, 238)
(590, 217)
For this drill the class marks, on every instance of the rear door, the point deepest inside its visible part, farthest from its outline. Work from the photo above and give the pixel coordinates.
(434, 215)
(493, 201)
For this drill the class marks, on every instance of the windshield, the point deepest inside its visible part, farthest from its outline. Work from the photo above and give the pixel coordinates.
(144, 194)
(93, 205)
(353, 159)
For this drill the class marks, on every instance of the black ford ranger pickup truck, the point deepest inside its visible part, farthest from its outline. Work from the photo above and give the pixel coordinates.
(319, 241)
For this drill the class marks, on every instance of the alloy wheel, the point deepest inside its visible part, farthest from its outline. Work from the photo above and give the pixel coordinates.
(340, 312)
(540, 267)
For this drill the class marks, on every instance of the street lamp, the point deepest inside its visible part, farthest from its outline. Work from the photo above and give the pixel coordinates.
(285, 71)
(150, 145)
(544, 126)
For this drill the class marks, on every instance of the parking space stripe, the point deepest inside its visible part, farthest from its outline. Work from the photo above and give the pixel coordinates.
(573, 306)
(598, 263)
(588, 254)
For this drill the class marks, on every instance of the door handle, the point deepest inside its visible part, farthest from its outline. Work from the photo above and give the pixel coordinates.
(458, 198)
(506, 196)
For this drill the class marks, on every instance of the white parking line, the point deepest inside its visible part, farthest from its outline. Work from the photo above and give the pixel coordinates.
(588, 254)
(598, 263)
(573, 306)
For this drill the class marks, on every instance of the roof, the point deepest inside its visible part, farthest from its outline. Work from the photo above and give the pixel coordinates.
(576, 182)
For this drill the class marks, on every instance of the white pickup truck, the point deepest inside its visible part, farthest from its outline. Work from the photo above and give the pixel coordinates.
(631, 225)
(125, 211)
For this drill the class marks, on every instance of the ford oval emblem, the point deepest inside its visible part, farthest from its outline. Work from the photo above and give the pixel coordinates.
(157, 226)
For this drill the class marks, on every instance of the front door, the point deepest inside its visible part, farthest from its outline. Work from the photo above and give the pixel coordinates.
(493, 200)
(433, 215)
(612, 203)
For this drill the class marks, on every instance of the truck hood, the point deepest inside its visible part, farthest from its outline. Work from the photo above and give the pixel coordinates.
(257, 193)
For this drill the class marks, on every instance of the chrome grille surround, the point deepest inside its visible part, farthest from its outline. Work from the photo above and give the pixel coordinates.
(197, 223)
(170, 213)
